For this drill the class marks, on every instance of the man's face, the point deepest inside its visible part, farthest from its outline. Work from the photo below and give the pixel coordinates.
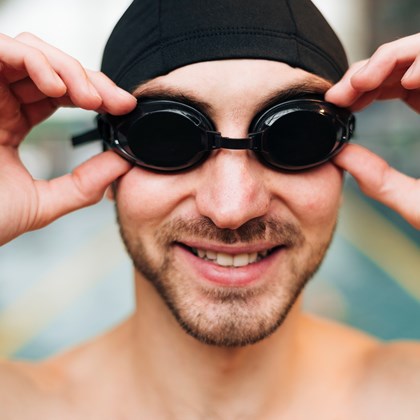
(229, 245)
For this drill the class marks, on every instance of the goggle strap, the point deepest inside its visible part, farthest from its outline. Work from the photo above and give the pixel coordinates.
(86, 137)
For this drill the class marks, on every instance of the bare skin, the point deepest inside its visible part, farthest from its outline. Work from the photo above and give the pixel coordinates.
(149, 368)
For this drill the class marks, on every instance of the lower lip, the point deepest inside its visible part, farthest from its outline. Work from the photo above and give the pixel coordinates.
(229, 276)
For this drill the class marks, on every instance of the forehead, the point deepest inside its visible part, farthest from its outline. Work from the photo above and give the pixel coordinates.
(225, 82)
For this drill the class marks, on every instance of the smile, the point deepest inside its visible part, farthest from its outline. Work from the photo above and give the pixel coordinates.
(231, 260)
(240, 265)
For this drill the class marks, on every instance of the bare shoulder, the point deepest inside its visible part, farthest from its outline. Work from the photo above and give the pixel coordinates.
(336, 341)
(389, 381)
(378, 358)
(381, 380)
(16, 375)
(68, 385)
(401, 357)
(395, 365)
(46, 390)
(21, 387)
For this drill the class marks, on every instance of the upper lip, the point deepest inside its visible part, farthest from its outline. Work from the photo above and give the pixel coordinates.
(230, 249)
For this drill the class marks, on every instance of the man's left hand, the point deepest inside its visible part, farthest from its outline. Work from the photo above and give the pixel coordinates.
(393, 72)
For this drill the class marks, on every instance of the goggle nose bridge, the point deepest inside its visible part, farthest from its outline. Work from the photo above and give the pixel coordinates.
(217, 141)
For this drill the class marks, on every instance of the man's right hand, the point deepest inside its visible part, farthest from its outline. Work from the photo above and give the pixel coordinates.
(35, 80)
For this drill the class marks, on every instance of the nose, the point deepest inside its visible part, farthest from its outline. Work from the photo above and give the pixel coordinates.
(231, 189)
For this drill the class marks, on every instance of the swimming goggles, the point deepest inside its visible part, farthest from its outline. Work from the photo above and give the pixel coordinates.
(170, 136)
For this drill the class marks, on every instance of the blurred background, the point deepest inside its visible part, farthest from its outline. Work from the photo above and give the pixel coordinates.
(72, 280)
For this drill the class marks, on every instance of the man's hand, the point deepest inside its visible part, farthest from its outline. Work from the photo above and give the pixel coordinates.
(35, 80)
(393, 71)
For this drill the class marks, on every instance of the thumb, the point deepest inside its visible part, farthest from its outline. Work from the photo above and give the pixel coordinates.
(85, 186)
(377, 179)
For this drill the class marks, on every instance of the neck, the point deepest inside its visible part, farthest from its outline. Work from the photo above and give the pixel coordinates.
(169, 362)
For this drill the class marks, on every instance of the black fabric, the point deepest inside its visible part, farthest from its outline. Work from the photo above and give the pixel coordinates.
(154, 37)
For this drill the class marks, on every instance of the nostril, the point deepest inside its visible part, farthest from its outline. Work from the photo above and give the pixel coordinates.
(231, 190)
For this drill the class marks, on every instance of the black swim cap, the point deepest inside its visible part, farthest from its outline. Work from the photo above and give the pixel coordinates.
(154, 37)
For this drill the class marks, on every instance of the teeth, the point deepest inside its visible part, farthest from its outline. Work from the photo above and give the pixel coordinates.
(225, 260)
(241, 260)
(228, 260)
(211, 255)
(201, 253)
(253, 257)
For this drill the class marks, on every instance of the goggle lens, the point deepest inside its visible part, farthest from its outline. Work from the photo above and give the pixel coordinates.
(299, 138)
(165, 139)
(170, 136)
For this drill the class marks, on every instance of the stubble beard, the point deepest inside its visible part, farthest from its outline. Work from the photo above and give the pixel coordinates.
(221, 316)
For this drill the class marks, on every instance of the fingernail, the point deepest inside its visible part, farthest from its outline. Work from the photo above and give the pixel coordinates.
(333, 88)
(123, 93)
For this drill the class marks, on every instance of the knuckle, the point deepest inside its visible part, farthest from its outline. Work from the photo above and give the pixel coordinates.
(356, 66)
(102, 77)
(385, 171)
(99, 75)
(386, 50)
(79, 184)
(95, 73)
(85, 195)
(35, 55)
(23, 36)
(384, 47)
(76, 62)
(75, 66)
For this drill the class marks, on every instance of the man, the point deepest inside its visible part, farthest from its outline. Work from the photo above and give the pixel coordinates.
(222, 240)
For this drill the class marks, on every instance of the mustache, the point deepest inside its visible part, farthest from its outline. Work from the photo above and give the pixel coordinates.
(268, 229)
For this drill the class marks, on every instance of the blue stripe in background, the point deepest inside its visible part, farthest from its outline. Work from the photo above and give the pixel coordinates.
(106, 304)
(375, 302)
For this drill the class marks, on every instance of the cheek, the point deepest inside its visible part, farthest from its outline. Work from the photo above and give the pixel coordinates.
(314, 197)
(145, 198)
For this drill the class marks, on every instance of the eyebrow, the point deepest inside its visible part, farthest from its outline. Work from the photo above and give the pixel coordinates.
(165, 93)
(294, 91)
(297, 90)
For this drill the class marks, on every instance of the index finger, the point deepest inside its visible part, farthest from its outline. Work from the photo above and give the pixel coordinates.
(82, 83)
(27, 61)
(397, 55)
(384, 75)
(344, 93)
